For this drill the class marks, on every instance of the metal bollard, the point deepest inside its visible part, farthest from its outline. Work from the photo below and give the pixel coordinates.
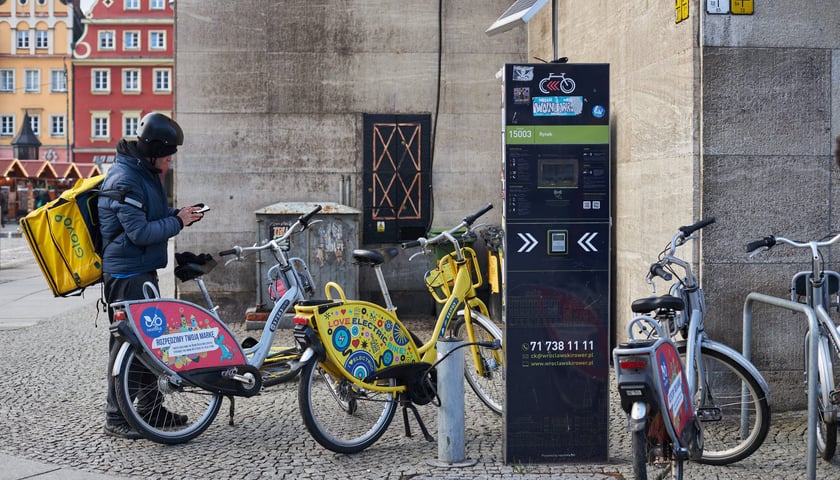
(450, 383)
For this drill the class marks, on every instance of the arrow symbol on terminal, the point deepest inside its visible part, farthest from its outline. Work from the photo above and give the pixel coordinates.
(530, 243)
(585, 242)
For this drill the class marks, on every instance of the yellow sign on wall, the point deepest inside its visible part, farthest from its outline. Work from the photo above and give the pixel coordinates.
(742, 7)
(681, 7)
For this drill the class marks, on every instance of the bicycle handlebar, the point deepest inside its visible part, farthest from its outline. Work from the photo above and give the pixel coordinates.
(302, 223)
(688, 230)
(656, 270)
(448, 234)
(771, 241)
(768, 242)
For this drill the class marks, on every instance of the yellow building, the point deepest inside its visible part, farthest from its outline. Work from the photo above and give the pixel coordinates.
(35, 74)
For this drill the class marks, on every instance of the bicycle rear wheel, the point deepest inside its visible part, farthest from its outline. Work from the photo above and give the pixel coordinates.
(733, 410)
(160, 410)
(338, 414)
(653, 461)
(490, 385)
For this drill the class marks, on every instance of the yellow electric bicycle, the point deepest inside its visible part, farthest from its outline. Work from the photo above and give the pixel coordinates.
(361, 362)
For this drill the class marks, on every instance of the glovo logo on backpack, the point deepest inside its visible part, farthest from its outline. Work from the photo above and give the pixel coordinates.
(76, 247)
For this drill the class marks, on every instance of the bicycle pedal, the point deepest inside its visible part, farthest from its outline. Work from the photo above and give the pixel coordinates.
(709, 414)
(834, 396)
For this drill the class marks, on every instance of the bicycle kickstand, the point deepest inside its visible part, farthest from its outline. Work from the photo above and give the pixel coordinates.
(406, 405)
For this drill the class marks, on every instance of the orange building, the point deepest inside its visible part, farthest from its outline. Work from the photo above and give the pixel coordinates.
(36, 38)
(35, 58)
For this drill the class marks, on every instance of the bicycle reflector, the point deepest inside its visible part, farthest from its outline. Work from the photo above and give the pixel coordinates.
(120, 316)
(299, 320)
(633, 363)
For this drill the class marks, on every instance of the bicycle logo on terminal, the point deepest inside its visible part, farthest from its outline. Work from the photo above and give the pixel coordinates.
(557, 83)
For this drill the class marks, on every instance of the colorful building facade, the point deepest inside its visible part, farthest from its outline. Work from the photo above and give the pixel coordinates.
(36, 38)
(123, 69)
(35, 60)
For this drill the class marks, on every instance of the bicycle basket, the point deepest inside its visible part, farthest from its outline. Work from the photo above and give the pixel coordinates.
(440, 280)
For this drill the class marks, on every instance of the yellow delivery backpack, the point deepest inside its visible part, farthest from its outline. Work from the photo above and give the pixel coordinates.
(64, 236)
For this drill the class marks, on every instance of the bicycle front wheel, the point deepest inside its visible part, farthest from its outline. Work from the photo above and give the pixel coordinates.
(160, 410)
(826, 421)
(338, 414)
(488, 382)
(732, 408)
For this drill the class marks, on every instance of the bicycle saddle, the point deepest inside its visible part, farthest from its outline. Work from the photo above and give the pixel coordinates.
(649, 304)
(191, 266)
(374, 257)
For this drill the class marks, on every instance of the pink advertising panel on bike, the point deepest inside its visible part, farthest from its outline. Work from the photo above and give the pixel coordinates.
(184, 336)
(674, 386)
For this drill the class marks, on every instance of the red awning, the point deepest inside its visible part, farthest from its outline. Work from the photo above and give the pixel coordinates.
(88, 170)
(67, 171)
(12, 168)
(40, 169)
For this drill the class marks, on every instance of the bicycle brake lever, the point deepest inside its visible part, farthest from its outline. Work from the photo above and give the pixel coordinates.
(234, 259)
(421, 252)
(758, 251)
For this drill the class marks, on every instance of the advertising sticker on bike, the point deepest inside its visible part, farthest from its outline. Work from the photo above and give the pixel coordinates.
(183, 336)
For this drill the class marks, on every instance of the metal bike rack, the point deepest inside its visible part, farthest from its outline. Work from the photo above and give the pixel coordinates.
(811, 455)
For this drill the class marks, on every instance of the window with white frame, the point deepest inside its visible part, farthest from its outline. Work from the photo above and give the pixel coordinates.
(23, 39)
(157, 4)
(7, 125)
(42, 39)
(100, 127)
(101, 80)
(131, 4)
(35, 123)
(7, 80)
(32, 80)
(131, 121)
(162, 80)
(106, 40)
(57, 128)
(131, 40)
(131, 80)
(157, 40)
(58, 81)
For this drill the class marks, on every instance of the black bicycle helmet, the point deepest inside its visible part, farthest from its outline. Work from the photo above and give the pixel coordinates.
(159, 136)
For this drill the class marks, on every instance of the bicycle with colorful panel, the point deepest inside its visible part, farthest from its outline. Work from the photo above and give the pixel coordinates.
(361, 362)
(687, 397)
(183, 358)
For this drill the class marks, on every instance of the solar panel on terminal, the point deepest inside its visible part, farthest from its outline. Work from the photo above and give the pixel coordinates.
(521, 11)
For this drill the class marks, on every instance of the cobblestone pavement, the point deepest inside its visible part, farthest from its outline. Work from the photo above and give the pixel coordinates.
(52, 390)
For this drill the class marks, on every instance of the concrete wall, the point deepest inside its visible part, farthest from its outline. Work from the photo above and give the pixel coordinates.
(770, 90)
(725, 116)
(654, 144)
(271, 96)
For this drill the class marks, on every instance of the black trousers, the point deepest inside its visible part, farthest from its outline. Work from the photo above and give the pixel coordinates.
(115, 290)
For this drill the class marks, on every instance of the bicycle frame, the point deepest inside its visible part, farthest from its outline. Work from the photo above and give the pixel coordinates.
(232, 354)
(321, 328)
(321, 317)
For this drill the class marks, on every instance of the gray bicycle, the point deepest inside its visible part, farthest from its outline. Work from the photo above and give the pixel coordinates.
(728, 399)
(817, 288)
